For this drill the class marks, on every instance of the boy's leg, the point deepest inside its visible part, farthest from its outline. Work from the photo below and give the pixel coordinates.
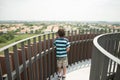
(59, 70)
(65, 64)
(64, 71)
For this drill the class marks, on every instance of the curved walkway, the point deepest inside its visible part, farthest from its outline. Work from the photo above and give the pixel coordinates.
(78, 71)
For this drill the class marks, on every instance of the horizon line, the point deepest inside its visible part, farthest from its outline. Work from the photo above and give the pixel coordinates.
(64, 20)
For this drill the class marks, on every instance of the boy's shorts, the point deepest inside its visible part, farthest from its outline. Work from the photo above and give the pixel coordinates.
(62, 61)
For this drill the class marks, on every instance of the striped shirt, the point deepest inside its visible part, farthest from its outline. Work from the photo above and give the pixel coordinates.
(61, 45)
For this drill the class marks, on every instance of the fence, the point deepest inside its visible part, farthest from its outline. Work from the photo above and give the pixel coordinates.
(34, 58)
(106, 57)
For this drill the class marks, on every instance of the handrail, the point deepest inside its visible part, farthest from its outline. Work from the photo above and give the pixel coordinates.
(102, 50)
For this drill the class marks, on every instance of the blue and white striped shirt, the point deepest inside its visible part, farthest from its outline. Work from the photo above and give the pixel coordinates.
(61, 45)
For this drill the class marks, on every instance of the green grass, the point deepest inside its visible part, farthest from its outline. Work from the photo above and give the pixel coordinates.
(17, 38)
(20, 37)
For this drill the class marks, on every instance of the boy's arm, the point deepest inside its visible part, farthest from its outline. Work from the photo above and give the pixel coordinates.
(68, 49)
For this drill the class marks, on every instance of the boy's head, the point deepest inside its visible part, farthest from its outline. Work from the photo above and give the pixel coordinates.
(61, 33)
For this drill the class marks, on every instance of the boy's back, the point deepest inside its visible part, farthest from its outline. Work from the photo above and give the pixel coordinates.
(61, 44)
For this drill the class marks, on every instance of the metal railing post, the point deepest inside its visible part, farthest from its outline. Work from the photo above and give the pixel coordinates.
(35, 53)
(40, 59)
(30, 62)
(16, 61)
(49, 65)
(1, 78)
(23, 60)
(45, 59)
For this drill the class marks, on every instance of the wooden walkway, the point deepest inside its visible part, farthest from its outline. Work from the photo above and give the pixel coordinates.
(78, 71)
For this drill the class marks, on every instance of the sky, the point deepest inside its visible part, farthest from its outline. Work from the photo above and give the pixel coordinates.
(60, 10)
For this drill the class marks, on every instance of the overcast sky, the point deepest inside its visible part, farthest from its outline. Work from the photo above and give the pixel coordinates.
(63, 10)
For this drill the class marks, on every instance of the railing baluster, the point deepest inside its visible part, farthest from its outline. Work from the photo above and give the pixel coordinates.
(75, 39)
(16, 61)
(78, 45)
(49, 65)
(72, 48)
(93, 64)
(85, 45)
(88, 46)
(105, 62)
(8, 67)
(115, 53)
(98, 66)
(82, 47)
(45, 59)
(111, 51)
(69, 53)
(24, 61)
(52, 68)
(53, 54)
(117, 75)
(40, 59)
(30, 61)
(35, 53)
(1, 78)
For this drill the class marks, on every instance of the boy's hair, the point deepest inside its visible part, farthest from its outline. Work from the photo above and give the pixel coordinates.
(61, 32)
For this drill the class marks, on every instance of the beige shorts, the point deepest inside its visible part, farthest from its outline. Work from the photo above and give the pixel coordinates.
(62, 62)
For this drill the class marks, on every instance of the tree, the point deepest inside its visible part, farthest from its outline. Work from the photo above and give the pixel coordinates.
(2, 39)
(6, 37)
(17, 30)
(31, 31)
(36, 32)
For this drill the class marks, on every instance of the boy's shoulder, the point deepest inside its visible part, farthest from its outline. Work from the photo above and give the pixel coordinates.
(66, 39)
(63, 38)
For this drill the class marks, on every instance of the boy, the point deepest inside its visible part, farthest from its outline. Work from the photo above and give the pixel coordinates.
(62, 47)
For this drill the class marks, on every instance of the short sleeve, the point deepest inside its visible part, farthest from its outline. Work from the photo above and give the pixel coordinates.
(68, 44)
(54, 43)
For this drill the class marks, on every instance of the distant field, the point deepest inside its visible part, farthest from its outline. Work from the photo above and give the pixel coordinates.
(17, 38)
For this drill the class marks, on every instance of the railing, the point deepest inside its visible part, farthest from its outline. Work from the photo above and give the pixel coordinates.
(105, 63)
(34, 58)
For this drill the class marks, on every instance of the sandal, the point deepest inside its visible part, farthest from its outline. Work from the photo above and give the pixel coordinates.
(63, 78)
(59, 77)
